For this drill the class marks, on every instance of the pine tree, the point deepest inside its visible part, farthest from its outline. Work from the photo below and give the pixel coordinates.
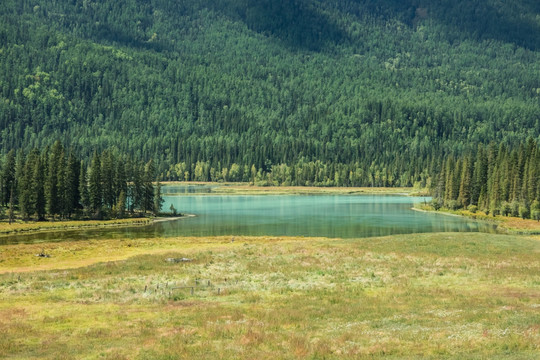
(465, 183)
(38, 186)
(83, 187)
(137, 188)
(107, 179)
(121, 204)
(71, 190)
(52, 192)
(62, 185)
(8, 177)
(158, 199)
(148, 186)
(26, 203)
(95, 185)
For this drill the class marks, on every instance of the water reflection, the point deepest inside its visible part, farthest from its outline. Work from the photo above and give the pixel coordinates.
(345, 216)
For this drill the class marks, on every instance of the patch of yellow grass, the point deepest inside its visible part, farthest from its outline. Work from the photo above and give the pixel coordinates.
(72, 254)
(36, 226)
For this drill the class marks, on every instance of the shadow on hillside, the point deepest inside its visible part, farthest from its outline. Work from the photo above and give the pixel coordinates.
(114, 34)
(297, 23)
(476, 19)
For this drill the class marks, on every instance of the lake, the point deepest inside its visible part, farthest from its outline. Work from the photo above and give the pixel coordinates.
(343, 216)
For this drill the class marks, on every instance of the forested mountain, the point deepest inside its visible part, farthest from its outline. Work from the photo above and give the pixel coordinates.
(353, 92)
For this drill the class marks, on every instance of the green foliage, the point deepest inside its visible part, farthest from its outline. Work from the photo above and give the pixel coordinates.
(49, 183)
(524, 212)
(158, 199)
(368, 93)
(436, 203)
(506, 180)
(472, 208)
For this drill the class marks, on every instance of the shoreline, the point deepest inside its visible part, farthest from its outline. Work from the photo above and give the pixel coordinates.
(505, 224)
(36, 227)
(229, 188)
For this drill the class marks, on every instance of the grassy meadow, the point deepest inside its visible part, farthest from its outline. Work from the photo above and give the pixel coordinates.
(453, 295)
(20, 226)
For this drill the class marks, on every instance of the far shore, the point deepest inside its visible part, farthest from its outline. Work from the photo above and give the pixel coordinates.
(224, 188)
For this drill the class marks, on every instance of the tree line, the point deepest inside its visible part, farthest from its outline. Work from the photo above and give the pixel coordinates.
(494, 179)
(308, 173)
(55, 183)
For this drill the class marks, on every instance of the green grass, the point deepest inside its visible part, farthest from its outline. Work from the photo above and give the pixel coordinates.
(407, 296)
(508, 224)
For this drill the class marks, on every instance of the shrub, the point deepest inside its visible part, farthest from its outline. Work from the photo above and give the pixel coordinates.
(453, 204)
(436, 203)
(472, 208)
(515, 208)
(506, 209)
(524, 212)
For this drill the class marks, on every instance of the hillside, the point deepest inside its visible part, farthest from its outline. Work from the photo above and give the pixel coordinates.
(384, 88)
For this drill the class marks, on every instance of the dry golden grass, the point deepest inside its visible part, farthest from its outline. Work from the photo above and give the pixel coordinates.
(36, 226)
(407, 296)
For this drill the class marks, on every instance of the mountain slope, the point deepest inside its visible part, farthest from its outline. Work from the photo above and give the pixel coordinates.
(385, 87)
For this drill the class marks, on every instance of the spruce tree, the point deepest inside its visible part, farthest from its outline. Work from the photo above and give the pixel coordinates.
(465, 183)
(121, 204)
(52, 192)
(107, 179)
(38, 186)
(71, 185)
(148, 186)
(8, 177)
(26, 203)
(94, 184)
(158, 199)
(83, 187)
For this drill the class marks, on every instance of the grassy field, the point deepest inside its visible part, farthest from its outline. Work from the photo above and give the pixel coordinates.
(406, 296)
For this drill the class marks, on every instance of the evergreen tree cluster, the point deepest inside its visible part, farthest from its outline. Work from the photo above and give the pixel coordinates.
(324, 87)
(310, 173)
(56, 183)
(494, 179)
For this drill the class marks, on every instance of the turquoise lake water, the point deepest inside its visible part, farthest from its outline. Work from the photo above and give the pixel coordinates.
(344, 216)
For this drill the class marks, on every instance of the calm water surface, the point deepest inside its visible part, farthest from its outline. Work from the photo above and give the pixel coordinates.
(344, 216)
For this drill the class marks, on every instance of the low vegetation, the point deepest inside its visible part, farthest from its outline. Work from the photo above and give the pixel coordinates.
(512, 224)
(26, 227)
(407, 296)
(250, 189)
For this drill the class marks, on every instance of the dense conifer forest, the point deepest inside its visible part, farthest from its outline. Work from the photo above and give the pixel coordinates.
(300, 92)
(494, 179)
(54, 183)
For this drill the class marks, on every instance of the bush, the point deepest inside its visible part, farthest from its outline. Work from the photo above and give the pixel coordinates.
(535, 215)
(524, 212)
(515, 208)
(506, 209)
(436, 203)
(453, 204)
(472, 208)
